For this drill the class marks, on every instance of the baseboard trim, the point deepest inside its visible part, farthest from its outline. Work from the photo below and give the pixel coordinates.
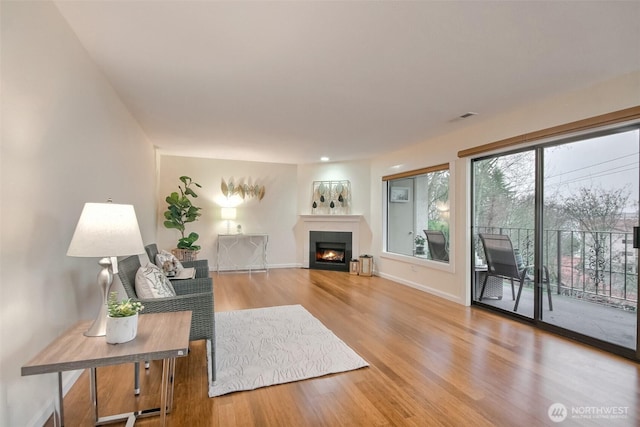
(41, 417)
(257, 268)
(420, 287)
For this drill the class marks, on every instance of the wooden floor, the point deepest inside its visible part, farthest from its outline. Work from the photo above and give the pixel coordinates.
(432, 362)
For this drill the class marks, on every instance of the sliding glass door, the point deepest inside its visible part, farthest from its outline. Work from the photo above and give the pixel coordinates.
(553, 234)
(504, 206)
(590, 209)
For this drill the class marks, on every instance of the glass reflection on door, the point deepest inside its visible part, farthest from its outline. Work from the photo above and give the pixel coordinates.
(590, 209)
(504, 207)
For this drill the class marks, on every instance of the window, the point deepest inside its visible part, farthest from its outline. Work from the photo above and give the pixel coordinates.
(418, 213)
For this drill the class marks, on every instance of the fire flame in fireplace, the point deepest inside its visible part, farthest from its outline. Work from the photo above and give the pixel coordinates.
(329, 255)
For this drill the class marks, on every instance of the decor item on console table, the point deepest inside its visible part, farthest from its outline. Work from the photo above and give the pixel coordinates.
(228, 214)
(181, 211)
(331, 197)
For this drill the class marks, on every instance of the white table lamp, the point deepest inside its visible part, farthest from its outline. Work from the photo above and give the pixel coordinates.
(105, 231)
(228, 214)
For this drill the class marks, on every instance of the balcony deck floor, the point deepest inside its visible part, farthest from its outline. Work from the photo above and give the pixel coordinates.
(607, 323)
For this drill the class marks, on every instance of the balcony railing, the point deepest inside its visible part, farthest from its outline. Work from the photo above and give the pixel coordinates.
(596, 266)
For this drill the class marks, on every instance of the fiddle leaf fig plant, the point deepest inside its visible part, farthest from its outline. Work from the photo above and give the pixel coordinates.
(181, 211)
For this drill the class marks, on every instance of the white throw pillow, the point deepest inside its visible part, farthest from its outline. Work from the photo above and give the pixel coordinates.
(152, 283)
(168, 263)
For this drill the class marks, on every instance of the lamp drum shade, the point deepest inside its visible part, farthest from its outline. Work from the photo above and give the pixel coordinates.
(228, 213)
(106, 229)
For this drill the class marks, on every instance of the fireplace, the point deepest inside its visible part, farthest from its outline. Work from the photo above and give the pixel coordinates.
(330, 250)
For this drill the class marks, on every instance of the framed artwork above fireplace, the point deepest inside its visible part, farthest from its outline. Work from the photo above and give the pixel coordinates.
(331, 197)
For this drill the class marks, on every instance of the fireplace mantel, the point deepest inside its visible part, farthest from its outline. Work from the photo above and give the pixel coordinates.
(331, 218)
(349, 223)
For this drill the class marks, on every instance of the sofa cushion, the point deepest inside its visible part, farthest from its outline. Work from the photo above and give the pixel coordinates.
(168, 262)
(152, 283)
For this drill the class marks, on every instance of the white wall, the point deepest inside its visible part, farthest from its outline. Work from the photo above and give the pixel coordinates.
(66, 140)
(274, 215)
(288, 194)
(454, 283)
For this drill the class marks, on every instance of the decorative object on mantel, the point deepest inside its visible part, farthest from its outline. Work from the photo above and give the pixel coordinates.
(242, 190)
(181, 211)
(331, 197)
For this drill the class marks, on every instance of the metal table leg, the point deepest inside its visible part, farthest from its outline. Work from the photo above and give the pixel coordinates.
(166, 398)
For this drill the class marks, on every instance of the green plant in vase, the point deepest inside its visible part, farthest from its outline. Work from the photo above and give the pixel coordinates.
(419, 241)
(124, 308)
(122, 319)
(181, 211)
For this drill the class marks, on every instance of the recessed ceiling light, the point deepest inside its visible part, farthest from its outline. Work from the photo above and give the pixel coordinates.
(324, 159)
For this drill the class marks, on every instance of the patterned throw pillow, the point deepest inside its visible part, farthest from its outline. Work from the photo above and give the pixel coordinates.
(168, 263)
(152, 283)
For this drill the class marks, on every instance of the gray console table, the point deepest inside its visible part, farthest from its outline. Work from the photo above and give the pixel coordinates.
(242, 252)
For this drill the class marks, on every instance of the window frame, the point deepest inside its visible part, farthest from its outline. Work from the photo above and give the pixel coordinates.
(411, 259)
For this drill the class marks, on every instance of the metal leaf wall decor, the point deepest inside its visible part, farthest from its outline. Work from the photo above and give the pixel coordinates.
(243, 190)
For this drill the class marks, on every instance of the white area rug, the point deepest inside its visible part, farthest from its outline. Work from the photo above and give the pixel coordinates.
(275, 345)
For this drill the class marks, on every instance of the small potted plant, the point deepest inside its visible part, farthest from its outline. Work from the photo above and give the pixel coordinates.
(122, 319)
(419, 241)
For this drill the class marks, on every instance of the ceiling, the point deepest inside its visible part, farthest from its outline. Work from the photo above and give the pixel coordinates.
(291, 81)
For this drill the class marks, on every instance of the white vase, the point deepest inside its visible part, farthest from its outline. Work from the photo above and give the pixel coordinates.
(121, 329)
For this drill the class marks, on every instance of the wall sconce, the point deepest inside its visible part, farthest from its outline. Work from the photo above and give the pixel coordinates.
(228, 214)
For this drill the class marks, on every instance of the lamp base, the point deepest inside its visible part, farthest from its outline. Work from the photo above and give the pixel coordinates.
(105, 278)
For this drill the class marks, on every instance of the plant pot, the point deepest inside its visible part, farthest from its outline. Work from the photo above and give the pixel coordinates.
(121, 329)
(419, 250)
(185, 254)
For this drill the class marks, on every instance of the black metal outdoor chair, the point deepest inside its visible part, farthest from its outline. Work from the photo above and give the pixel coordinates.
(502, 262)
(437, 245)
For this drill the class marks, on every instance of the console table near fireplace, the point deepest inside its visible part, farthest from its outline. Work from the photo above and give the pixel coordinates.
(242, 252)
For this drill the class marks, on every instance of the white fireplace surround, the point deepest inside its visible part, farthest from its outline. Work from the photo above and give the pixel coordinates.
(349, 223)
